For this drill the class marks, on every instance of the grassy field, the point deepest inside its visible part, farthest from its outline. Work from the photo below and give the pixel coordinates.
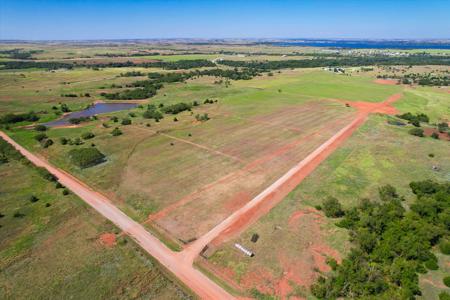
(189, 175)
(377, 154)
(53, 248)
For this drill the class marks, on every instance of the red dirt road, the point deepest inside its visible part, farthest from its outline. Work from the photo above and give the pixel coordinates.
(180, 264)
(272, 195)
(174, 262)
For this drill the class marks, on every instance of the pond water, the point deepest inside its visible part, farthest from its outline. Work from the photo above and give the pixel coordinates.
(98, 108)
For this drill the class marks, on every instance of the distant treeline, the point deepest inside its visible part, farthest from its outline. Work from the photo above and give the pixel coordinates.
(20, 53)
(176, 65)
(342, 61)
(421, 79)
(144, 89)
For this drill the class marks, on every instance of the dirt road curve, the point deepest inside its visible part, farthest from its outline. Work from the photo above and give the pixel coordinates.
(174, 262)
(272, 195)
(180, 264)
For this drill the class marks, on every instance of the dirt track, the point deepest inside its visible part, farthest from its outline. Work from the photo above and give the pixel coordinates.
(173, 261)
(266, 200)
(180, 264)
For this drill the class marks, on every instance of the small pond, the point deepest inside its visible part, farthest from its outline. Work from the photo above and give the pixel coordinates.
(95, 109)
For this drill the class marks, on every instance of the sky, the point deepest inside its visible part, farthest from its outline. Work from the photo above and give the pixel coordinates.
(141, 19)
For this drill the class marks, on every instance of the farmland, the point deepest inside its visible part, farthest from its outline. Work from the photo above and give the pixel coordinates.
(184, 174)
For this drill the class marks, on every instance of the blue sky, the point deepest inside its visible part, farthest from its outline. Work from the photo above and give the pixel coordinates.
(102, 19)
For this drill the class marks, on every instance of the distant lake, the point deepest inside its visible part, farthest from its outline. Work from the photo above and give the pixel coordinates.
(98, 108)
(404, 45)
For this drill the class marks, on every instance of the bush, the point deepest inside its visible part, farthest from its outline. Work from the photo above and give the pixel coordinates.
(40, 128)
(387, 192)
(126, 121)
(116, 131)
(435, 135)
(416, 132)
(33, 198)
(59, 185)
(86, 157)
(444, 246)
(332, 208)
(65, 192)
(447, 281)
(87, 135)
(18, 215)
(431, 264)
(47, 143)
(46, 174)
(444, 296)
(63, 141)
(40, 136)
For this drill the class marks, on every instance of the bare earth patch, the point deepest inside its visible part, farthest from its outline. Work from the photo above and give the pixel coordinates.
(108, 239)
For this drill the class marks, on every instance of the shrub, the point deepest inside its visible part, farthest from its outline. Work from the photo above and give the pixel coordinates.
(332, 263)
(59, 185)
(47, 143)
(447, 281)
(431, 155)
(444, 246)
(18, 215)
(332, 208)
(416, 132)
(435, 135)
(33, 198)
(444, 296)
(431, 264)
(46, 174)
(87, 135)
(116, 131)
(86, 157)
(40, 128)
(63, 141)
(126, 121)
(442, 127)
(40, 136)
(65, 192)
(387, 192)
(115, 119)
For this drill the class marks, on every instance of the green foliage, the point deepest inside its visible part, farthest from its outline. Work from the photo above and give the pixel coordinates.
(416, 131)
(116, 132)
(40, 136)
(40, 128)
(387, 192)
(435, 135)
(86, 157)
(332, 208)
(444, 246)
(63, 141)
(46, 143)
(447, 281)
(202, 118)
(392, 244)
(152, 113)
(87, 135)
(33, 199)
(444, 296)
(442, 127)
(126, 121)
(176, 108)
(16, 118)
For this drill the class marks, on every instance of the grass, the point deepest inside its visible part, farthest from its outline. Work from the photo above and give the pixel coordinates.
(59, 235)
(375, 155)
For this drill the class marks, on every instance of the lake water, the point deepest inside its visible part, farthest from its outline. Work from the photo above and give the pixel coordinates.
(362, 44)
(98, 108)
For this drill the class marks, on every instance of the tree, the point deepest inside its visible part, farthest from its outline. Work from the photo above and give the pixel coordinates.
(87, 135)
(435, 135)
(387, 192)
(47, 143)
(416, 131)
(63, 141)
(116, 132)
(126, 121)
(443, 127)
(332, 208)
(40, 128)
(86, 157)
(40, 136)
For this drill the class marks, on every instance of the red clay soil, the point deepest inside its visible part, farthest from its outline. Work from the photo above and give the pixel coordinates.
(108, 239)
(386, 81)
(442, 135)
(265, 201)
(176, 263)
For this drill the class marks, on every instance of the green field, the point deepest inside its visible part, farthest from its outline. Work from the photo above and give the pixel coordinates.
(51, 248)
(183, 175)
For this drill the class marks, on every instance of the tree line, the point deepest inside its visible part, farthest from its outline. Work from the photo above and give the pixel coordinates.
(392, 244)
